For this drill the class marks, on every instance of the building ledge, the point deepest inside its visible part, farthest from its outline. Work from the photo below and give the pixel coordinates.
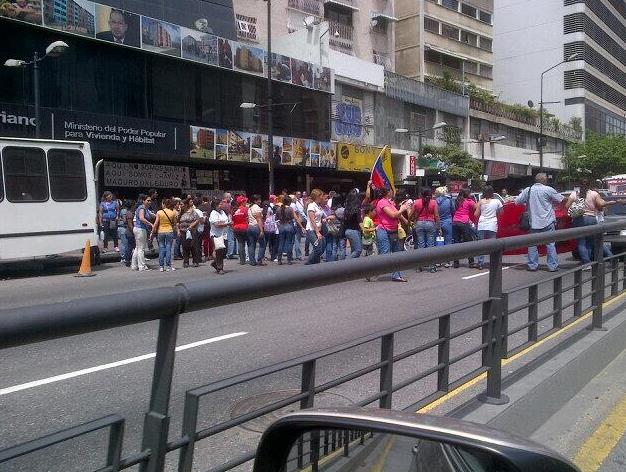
(347, 4)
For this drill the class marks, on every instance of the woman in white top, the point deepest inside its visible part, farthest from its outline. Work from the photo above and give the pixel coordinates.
(487, 212)
(315, 220)
(220, 221)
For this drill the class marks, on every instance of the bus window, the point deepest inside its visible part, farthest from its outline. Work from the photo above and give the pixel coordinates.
(67, 175)
(1, 183)
(25, 174)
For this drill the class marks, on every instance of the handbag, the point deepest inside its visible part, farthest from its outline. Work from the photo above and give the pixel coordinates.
(219, 242)
(577, 208)
(525, 219)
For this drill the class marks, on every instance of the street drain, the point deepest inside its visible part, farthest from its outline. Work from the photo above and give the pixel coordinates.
(255, 402)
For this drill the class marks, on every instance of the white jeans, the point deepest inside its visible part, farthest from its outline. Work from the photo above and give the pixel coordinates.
(139, 255)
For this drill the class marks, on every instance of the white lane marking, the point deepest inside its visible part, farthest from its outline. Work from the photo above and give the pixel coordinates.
(90, 370)
(487, 272)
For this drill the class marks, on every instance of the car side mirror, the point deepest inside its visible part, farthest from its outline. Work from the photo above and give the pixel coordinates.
(387, 440)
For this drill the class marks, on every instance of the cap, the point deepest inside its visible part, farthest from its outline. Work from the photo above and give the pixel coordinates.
(272, 198)
(241, 200)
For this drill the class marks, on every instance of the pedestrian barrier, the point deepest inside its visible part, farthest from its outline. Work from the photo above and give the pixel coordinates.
(491, 336)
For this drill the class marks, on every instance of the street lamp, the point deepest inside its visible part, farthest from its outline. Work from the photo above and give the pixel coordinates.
(420, 134)
(482, 139)
(54, 49)
(270, 132)
(541, 143)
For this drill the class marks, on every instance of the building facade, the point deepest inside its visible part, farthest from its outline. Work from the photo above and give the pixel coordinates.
(445, 37)
(172, 99)
(360, 28)
(591, 88)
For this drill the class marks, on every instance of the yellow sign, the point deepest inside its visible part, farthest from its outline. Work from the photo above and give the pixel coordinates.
(356, 157)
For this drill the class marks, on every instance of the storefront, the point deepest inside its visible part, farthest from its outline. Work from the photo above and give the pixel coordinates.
(172, 100)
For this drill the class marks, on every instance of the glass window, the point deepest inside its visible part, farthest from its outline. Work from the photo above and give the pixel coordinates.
(468, 10)
(450, 31)
(451, 4)
(452, 62)
(485, 17)
(486, 71)
(431, 25)
(471, 67)
(469, 38)
(485, 43)
(432, 56)
(25, 174)
(67, 175)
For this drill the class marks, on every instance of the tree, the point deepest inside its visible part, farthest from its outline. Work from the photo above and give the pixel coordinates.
(459, 164)
(597, 157)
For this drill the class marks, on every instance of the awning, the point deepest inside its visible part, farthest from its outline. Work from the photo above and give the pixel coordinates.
(342, 3)
(376, 15)
(455, 54)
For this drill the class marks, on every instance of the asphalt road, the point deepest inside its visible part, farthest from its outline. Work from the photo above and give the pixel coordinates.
(218, 343)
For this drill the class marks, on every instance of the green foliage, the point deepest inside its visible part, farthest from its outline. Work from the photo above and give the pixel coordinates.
(460, 164)
(576, 123)
(597, 157)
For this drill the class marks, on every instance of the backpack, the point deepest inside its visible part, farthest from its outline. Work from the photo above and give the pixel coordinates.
(270, 222)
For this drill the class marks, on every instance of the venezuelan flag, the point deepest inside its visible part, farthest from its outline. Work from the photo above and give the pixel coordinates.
(382, 172)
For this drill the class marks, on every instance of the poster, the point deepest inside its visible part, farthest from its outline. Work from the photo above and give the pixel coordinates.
(301, 73)
(126, 174)
(23, 10)
(322, 78)
(221, 144)
(287, 151)
(239, 146)
(281, 67)
(257, 143)
(301, 151)
(356, 157)
(327, 155)
(74, 16)
(202, 143)
(225, 53)
(198, 46)
(249, 59)
(118, 26)
(160, 36)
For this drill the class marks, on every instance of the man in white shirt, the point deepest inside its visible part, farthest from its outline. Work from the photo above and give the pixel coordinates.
(298, 207)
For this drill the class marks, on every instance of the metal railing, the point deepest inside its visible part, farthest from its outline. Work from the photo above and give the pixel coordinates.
(487, 326)
(314, 7)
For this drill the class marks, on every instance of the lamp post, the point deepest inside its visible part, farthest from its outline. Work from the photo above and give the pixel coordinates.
(420, 135)
(270, 132)
(540, 143)
(54, 49)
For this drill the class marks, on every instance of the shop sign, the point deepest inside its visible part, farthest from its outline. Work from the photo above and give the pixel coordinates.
(356, 157)
(412, 165)
(349, 118)
(127, 174)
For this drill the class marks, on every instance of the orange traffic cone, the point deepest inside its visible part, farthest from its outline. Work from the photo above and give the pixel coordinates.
(85, 265)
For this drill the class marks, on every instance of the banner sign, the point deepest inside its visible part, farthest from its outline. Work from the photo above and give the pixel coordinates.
(356, 157)
(126, 174)
(128, 29)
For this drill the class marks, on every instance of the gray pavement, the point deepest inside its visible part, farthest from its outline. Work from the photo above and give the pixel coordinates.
(276, 328)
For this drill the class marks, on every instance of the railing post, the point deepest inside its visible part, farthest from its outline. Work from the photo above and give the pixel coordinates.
(614, 276)
(533, 296)
(597, 284)
(504, 338)
(493, 333)
(116, 438)
(386, 371)
(157, 420)
(308, 386)
(443, 354)
(557, 303)
(578, 292)
(624, 275)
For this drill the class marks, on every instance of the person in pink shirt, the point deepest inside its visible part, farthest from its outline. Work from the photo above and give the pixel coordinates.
(387, 230)
(462, 229)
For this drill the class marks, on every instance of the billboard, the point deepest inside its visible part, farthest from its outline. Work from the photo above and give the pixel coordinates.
(356, 157)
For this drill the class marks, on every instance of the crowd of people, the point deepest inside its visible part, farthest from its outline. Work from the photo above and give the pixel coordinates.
(322, 226)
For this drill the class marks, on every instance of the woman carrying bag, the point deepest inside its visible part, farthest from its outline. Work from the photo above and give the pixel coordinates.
(220, 221)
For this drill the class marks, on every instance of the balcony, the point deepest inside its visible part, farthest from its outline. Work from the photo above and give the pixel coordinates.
(341, 32)
(313, 7)
(352, 5)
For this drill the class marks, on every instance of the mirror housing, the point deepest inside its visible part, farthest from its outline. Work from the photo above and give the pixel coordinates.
(520, 454)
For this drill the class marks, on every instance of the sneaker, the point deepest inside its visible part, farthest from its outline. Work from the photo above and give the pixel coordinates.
(275, 260)
(171, 269)
(145, 269)
(399, 279)
(587, 268)
(447, 265)
(161, 269)
(433, 270)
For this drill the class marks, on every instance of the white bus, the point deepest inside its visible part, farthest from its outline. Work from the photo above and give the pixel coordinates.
(48, 199)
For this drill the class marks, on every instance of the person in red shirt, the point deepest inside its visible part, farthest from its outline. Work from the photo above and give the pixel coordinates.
(240, 227)
(425, 211)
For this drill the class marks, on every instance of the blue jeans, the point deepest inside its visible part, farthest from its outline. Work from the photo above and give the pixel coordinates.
(331, 247)
(165, 248)
(354, 236)
(298, 243)
(533, 253)
(585, 245)
(388, 243)
(231, 243)
(121, 234)
(263, 240)
(446, 231)
(286, 233)
(426, 232)
(318, 247)
(485, 234)
(253, 238)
